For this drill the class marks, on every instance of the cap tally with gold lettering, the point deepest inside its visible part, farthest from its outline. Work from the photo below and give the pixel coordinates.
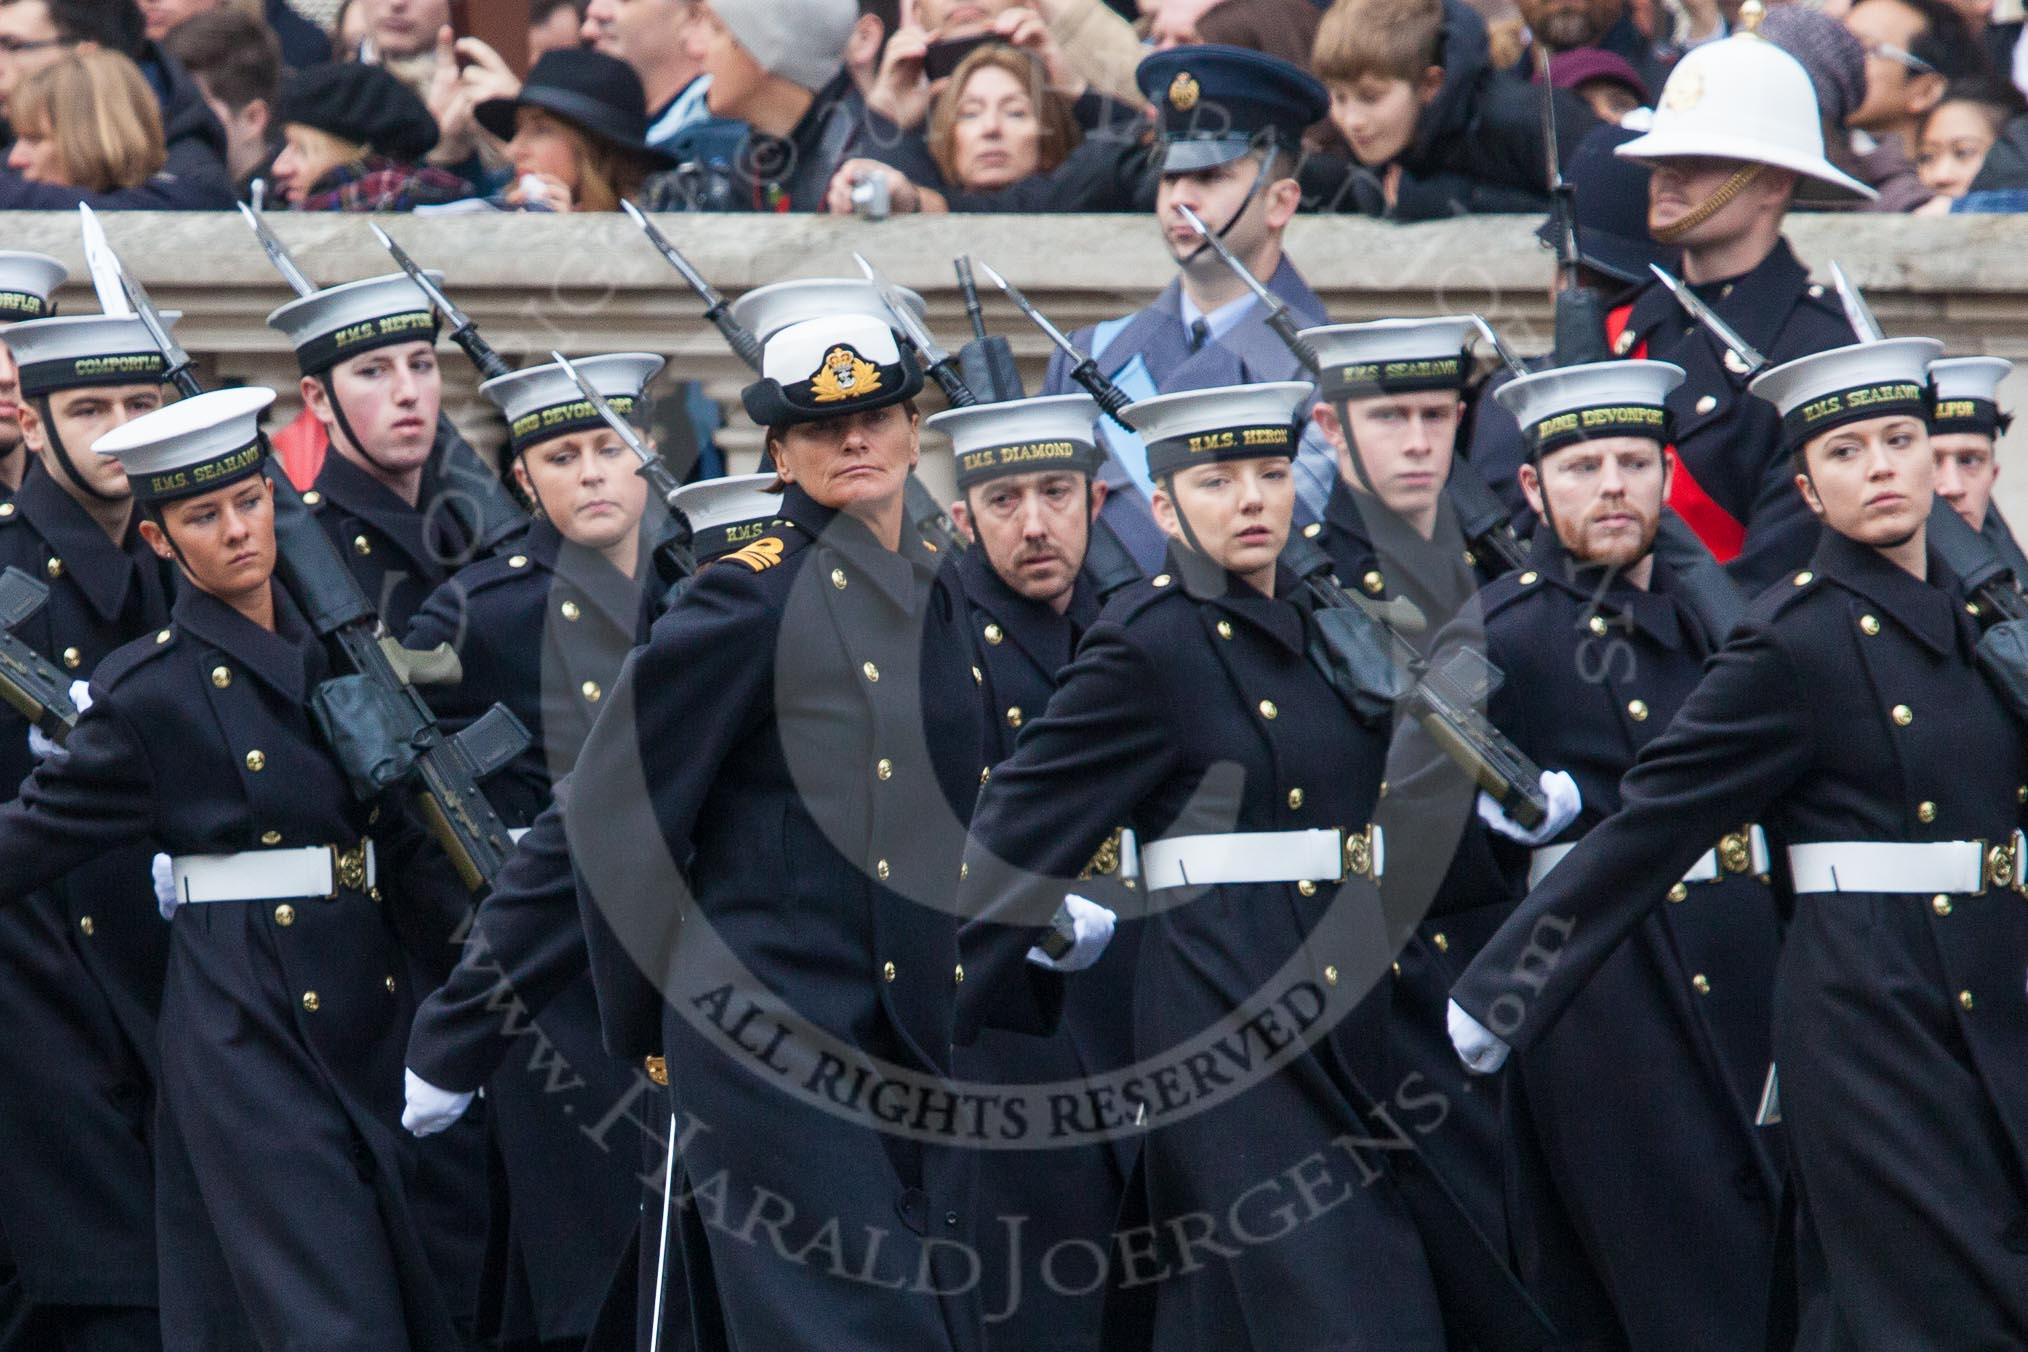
(729, 513)
(1392, 356)
(340, 322)
(193, 446)
(77, 352)
(822, 368)
(767, 310)
(1570, 404)
(543, 402)
(1232, 422)
(26, 281)
(1849, 384)
(1021, 436)
(1965, 394)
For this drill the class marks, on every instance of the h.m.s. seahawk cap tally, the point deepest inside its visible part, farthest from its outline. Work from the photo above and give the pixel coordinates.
(767, 310)
(822, 368)
(543, 402)
(26, 282)
(1231, 422)
(74, 352)
(1965, 394)
(1021, 436)
(193, 446)
(1569, 404)
(1392, 356)
(729, 513)
(340, 322)
(1849, 384)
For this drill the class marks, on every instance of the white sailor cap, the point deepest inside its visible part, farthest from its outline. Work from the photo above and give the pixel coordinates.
(1569, 404)
(767, 310)
(729, 513)
(543, 402)
(1849, 384)
(1392, 356)
(821, 368)
(192, 446)
(1231, 422)
(1966, 395)
(26, 281)
(1021, 436)
(340, 322)
(74, 352)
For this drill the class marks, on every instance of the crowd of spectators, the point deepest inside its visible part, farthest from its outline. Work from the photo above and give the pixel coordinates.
(881, 107)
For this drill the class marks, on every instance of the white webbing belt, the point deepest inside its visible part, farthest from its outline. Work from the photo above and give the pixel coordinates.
(1708, 867)
(1945, 866)
(1261, 857)
(514, 833)
(266, 875)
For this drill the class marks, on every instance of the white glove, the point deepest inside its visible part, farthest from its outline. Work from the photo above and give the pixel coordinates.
(1564, 804)
(430, 1109)
(1092, 924)
(166, 900)
(1478, 1046)
(40, 746)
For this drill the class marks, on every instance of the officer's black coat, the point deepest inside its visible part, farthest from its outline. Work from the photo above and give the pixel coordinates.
(1642, 1098)
(399, 553)
(1185, 714)
(1018, 648)
(1727, 439)
(281, 1073)
(1900, 1023)
(544, 631)
(800, 738)
(83, 958)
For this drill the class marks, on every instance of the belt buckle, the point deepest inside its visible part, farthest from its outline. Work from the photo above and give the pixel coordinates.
(348, 869)
(1735, 851)
(1106, 860)
(2002, 860)
(1358, 852)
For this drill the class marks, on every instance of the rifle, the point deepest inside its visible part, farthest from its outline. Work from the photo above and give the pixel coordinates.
(1278, 317)
(499, 517)
(987, 361)
(1112, 400)
(37, 690)
(1728, 337)
(1580, 313)
(377, 725)
(673, 560)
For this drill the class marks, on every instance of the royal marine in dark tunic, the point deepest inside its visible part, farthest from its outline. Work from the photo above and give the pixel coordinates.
(1848, 715)
(768, 820)
(1194, 713)
(293, 965)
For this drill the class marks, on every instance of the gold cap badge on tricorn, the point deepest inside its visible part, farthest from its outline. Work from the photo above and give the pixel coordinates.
(829, 367)
(844, 375)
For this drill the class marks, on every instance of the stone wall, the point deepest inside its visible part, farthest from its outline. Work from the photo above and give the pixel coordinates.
(592, 283)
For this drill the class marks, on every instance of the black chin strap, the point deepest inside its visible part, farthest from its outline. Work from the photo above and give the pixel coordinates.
(345, 424)
(1260, 180)
(70, 469)
(1343, 408)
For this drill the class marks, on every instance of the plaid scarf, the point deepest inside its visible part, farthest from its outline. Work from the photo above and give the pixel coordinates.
(380, 184)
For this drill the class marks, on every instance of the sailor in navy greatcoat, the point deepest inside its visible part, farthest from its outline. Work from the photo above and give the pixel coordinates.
(768, 821)
(1025, 471)
(367, 353)
(1847, 713)
(294, 956)
(1194, 712)
(85, 956)
(1966, 425)
(1599, 646)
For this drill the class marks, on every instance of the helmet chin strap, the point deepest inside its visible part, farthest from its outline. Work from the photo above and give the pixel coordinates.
(63, 458)
(1719, 200)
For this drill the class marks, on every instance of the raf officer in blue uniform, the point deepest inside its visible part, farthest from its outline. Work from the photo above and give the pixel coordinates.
(297, 949)
(367, 352)
(768, 821)
(85, 956)
(1231, 123)
(1600, 645)
(1026, 472)
(1849, 715)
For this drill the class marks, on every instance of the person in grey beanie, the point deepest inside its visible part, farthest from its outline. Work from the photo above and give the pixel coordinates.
(779, 67)
(1836, 61)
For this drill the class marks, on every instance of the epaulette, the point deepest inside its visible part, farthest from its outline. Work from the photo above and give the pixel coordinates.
(9, 514)
(1509, 588)
(491, 572)
(129, 657)
(1137, 598)
(1784, 594)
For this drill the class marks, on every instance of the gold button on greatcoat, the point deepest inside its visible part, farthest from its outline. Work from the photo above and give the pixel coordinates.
(1295, 798)
(1925, 812)
(1225, 628)
(1529, 578)
(959, 977)
(872, 672)
(390, 984)
(1701, 984)
(1442, 942)
(1680, 892)
(883, 768)
(271, 837)
(887, 970)
(1869, 625)
(256, 760)
(570, 610)
(985, 773)
(1307, 888)
(518, 561)
(361, 545)
(54, 568)
(881, 870)
(993, 634)
(161, 635)
(1597, 625)
(591, 691)
(310, 1001)
(72, 658)
(1706, 404)
(285, 915)
(312, 498)
(1330, 976)
(1940, 903)
(1014, 716)
(84, 922)
(838, 578)
(221, 676)
(1373, 582)
(1805, 578)
(1637, 709)
(1903, 715)
(1964, 999)
(1160, 580)
(1267, 709)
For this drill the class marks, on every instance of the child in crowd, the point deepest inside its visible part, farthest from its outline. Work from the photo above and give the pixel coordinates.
(1959, 132)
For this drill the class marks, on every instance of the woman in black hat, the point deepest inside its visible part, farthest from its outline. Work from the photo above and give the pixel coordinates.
(576, 134)
(354, 138)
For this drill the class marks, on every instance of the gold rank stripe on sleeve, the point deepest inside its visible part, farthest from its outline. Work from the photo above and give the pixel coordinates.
(761, 555)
